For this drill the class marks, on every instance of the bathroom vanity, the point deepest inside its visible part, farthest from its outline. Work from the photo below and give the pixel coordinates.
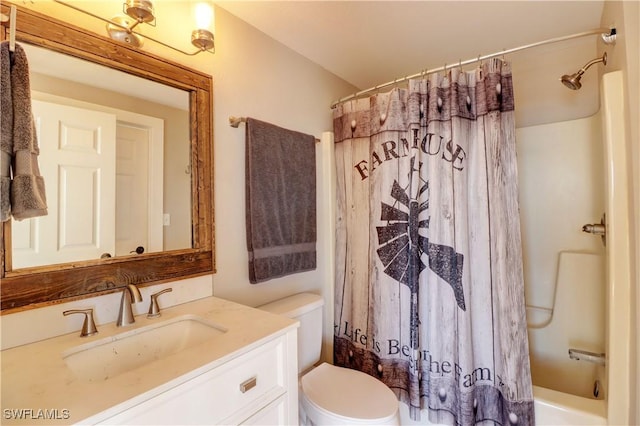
(209, 361)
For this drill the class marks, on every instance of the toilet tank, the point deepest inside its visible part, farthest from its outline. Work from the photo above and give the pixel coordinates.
(306, 308)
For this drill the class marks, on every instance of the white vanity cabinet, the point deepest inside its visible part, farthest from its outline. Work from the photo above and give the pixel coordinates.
(244, 372)
(254, 387)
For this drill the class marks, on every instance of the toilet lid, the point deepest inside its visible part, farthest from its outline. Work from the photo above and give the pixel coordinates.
(349, 393)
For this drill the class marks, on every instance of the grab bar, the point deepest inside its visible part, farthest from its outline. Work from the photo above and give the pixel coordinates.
(587, 356)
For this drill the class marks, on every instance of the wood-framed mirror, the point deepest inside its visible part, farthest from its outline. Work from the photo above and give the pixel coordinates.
(25, 288)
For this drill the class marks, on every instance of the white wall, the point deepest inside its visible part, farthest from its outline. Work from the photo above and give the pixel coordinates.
(256, 76)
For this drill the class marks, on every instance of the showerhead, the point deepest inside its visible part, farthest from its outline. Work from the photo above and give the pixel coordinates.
(573, 81)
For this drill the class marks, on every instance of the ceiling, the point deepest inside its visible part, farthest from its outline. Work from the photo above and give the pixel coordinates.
(372, 42)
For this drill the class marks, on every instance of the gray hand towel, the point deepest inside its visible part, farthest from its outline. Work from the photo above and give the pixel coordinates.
(6, 132)
(23, 193)
(280, 201)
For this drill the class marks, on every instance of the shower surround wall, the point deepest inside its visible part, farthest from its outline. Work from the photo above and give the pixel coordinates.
(561, 180)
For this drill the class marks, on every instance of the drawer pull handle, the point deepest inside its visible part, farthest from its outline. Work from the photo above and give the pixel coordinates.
(248, 384)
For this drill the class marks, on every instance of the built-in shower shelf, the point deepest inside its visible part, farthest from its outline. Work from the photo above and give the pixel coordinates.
(538, 317)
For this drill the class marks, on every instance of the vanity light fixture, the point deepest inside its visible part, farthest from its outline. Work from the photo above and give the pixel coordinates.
(136, 12)
(123, 27)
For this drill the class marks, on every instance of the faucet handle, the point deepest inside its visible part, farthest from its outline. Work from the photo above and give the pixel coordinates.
(154, 309)
(88, 326)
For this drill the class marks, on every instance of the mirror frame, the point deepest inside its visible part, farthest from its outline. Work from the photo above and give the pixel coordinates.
(40, 286)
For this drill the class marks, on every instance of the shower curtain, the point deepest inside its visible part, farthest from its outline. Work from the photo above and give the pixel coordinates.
(429, 285)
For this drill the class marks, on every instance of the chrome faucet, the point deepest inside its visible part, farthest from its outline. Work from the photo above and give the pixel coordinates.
(130, 294)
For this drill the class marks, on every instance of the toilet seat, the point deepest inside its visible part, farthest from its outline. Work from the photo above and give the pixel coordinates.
(351, 396)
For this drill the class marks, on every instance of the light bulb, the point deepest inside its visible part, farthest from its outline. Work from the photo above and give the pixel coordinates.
(203, 14)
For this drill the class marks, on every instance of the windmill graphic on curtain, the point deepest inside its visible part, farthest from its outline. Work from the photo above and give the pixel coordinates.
(402, 248)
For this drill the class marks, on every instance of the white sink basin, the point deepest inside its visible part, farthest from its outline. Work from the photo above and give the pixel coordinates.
(108, 357)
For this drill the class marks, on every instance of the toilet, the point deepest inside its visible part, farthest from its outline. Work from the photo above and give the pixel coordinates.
(331, 395)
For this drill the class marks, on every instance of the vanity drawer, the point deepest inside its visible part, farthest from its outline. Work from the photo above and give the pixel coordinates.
(228, 394)
(250, 384)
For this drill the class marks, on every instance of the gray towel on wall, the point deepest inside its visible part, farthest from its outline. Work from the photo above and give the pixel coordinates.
(22, 192)
(280, 201)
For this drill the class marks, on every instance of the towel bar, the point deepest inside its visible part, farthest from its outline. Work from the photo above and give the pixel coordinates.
(235, 122)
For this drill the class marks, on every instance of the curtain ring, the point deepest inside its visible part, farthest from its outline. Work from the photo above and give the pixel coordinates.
(480, 65)
(462, 74)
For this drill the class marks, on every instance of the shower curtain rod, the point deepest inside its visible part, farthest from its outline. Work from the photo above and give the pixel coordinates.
(608, 36)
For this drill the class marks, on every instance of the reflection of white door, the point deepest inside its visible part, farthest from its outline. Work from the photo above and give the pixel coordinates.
(132, 188)
(139, 188)
(77, 160)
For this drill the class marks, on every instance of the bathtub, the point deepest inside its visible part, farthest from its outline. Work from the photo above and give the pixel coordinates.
(551, 407)
(557, 408)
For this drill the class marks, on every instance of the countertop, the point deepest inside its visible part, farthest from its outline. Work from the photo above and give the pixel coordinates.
(35, 378)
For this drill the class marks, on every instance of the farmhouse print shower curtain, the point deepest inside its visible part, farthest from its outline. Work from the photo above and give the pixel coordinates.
(429, 287)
